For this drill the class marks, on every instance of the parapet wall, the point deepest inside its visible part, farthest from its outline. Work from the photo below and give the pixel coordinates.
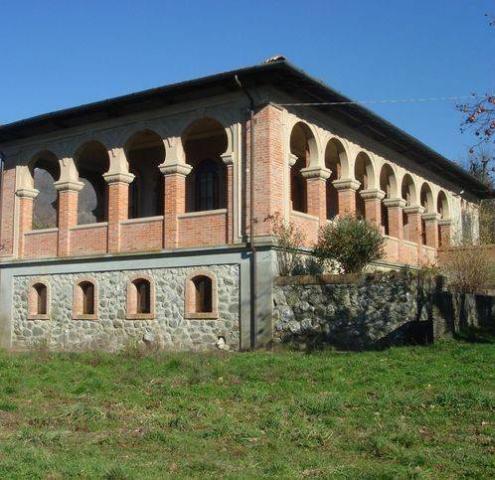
(359, 312)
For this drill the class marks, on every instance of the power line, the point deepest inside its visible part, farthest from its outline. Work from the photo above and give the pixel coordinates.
(382, 101)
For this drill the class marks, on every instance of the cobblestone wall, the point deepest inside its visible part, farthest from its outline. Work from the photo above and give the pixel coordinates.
(111, 330)
(370, 311)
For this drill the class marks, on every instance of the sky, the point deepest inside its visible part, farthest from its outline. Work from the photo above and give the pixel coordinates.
(59, 54)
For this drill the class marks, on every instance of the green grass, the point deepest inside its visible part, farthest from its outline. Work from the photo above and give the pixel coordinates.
(405, 413)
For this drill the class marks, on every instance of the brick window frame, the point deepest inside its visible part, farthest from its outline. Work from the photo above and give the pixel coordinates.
(77, 303)
(132, 298)
(190, 297)
(33, 298)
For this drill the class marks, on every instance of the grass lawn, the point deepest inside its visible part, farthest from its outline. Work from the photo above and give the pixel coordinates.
(405, 413)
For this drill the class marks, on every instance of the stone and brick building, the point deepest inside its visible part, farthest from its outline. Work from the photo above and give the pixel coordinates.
(144, 217)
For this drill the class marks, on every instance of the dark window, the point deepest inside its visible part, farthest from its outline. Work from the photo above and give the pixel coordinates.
(204, 301)
(385, 219)
(423, 232)
(207, 186)
(88, 298)
(143, 296)
(41, 299)
(298, 188)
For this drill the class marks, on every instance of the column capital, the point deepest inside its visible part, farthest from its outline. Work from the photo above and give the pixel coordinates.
(292, 159)
(372, 193)
(27, 192)
(118, 177)
(346, 184)
(411, 209)
(71, 186)
(394, 202)
(445, 222)
(227, 158)
(177, 168)
(316, 172)
(429, 217)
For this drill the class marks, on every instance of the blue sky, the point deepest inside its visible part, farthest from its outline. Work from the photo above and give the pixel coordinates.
(57, 54)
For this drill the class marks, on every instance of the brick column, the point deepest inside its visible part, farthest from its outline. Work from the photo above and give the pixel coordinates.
(175, 201)
(445, 232)
(229, 164)
(118, 206)
(372, 205)
(414, 214)
(395, 222)
(26, 199)
(316, 186)
(346, 189)
(431, 229)
(68, 194)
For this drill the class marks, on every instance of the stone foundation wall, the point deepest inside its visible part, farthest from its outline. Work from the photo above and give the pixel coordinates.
(372, 311)
(111, 330)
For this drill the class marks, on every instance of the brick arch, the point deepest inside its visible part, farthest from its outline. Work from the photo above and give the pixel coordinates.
(190, 292)
(426, 198)
(442, 205)
(33, 297)
(409, 190)
(205, 142)
(388, 181)
(132, 312)
(43, 172)
(77, 302)
(92, 162)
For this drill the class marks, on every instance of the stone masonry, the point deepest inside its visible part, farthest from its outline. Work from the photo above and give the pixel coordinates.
(111, 330)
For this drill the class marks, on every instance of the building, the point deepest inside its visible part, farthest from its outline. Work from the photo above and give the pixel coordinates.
(144, 217)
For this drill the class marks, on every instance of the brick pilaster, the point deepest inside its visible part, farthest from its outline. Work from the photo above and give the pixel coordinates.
(415, 226)
(395, 219)
(26, 199)
(118, 206)
(431, 229)
(229, 164)
(346, 189)
(68, 195)
(316, 186)
(372, 205)
(175, 201)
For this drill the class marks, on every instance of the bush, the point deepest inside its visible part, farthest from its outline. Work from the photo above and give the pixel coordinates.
(351, 242)
(468, 268)
(290, 244)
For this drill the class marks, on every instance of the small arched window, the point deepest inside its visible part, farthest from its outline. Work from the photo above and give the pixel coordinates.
(85, 301)
(201, 297)
(39, 301)
(88, 298)
(140, 299)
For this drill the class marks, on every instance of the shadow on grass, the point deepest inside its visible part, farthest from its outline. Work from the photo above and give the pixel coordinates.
(475, 335)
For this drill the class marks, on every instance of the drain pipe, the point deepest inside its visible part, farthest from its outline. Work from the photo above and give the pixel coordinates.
(252, 246)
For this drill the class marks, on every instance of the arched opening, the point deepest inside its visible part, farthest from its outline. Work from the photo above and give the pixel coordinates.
(87, 292)
(92, 162)
(334, 157)
(408, 193)
(303, 146)
(206, 186)
(443, 210)
(41, 299)
(443, 206)
(45, 171)
(426, 200)
(143, 295)
(38, 300)
(203, 294)
(363, 172)
(389, 185)
(145, 151)
(201, 299)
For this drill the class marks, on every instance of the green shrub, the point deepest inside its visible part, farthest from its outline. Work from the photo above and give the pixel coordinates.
(350, 242)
